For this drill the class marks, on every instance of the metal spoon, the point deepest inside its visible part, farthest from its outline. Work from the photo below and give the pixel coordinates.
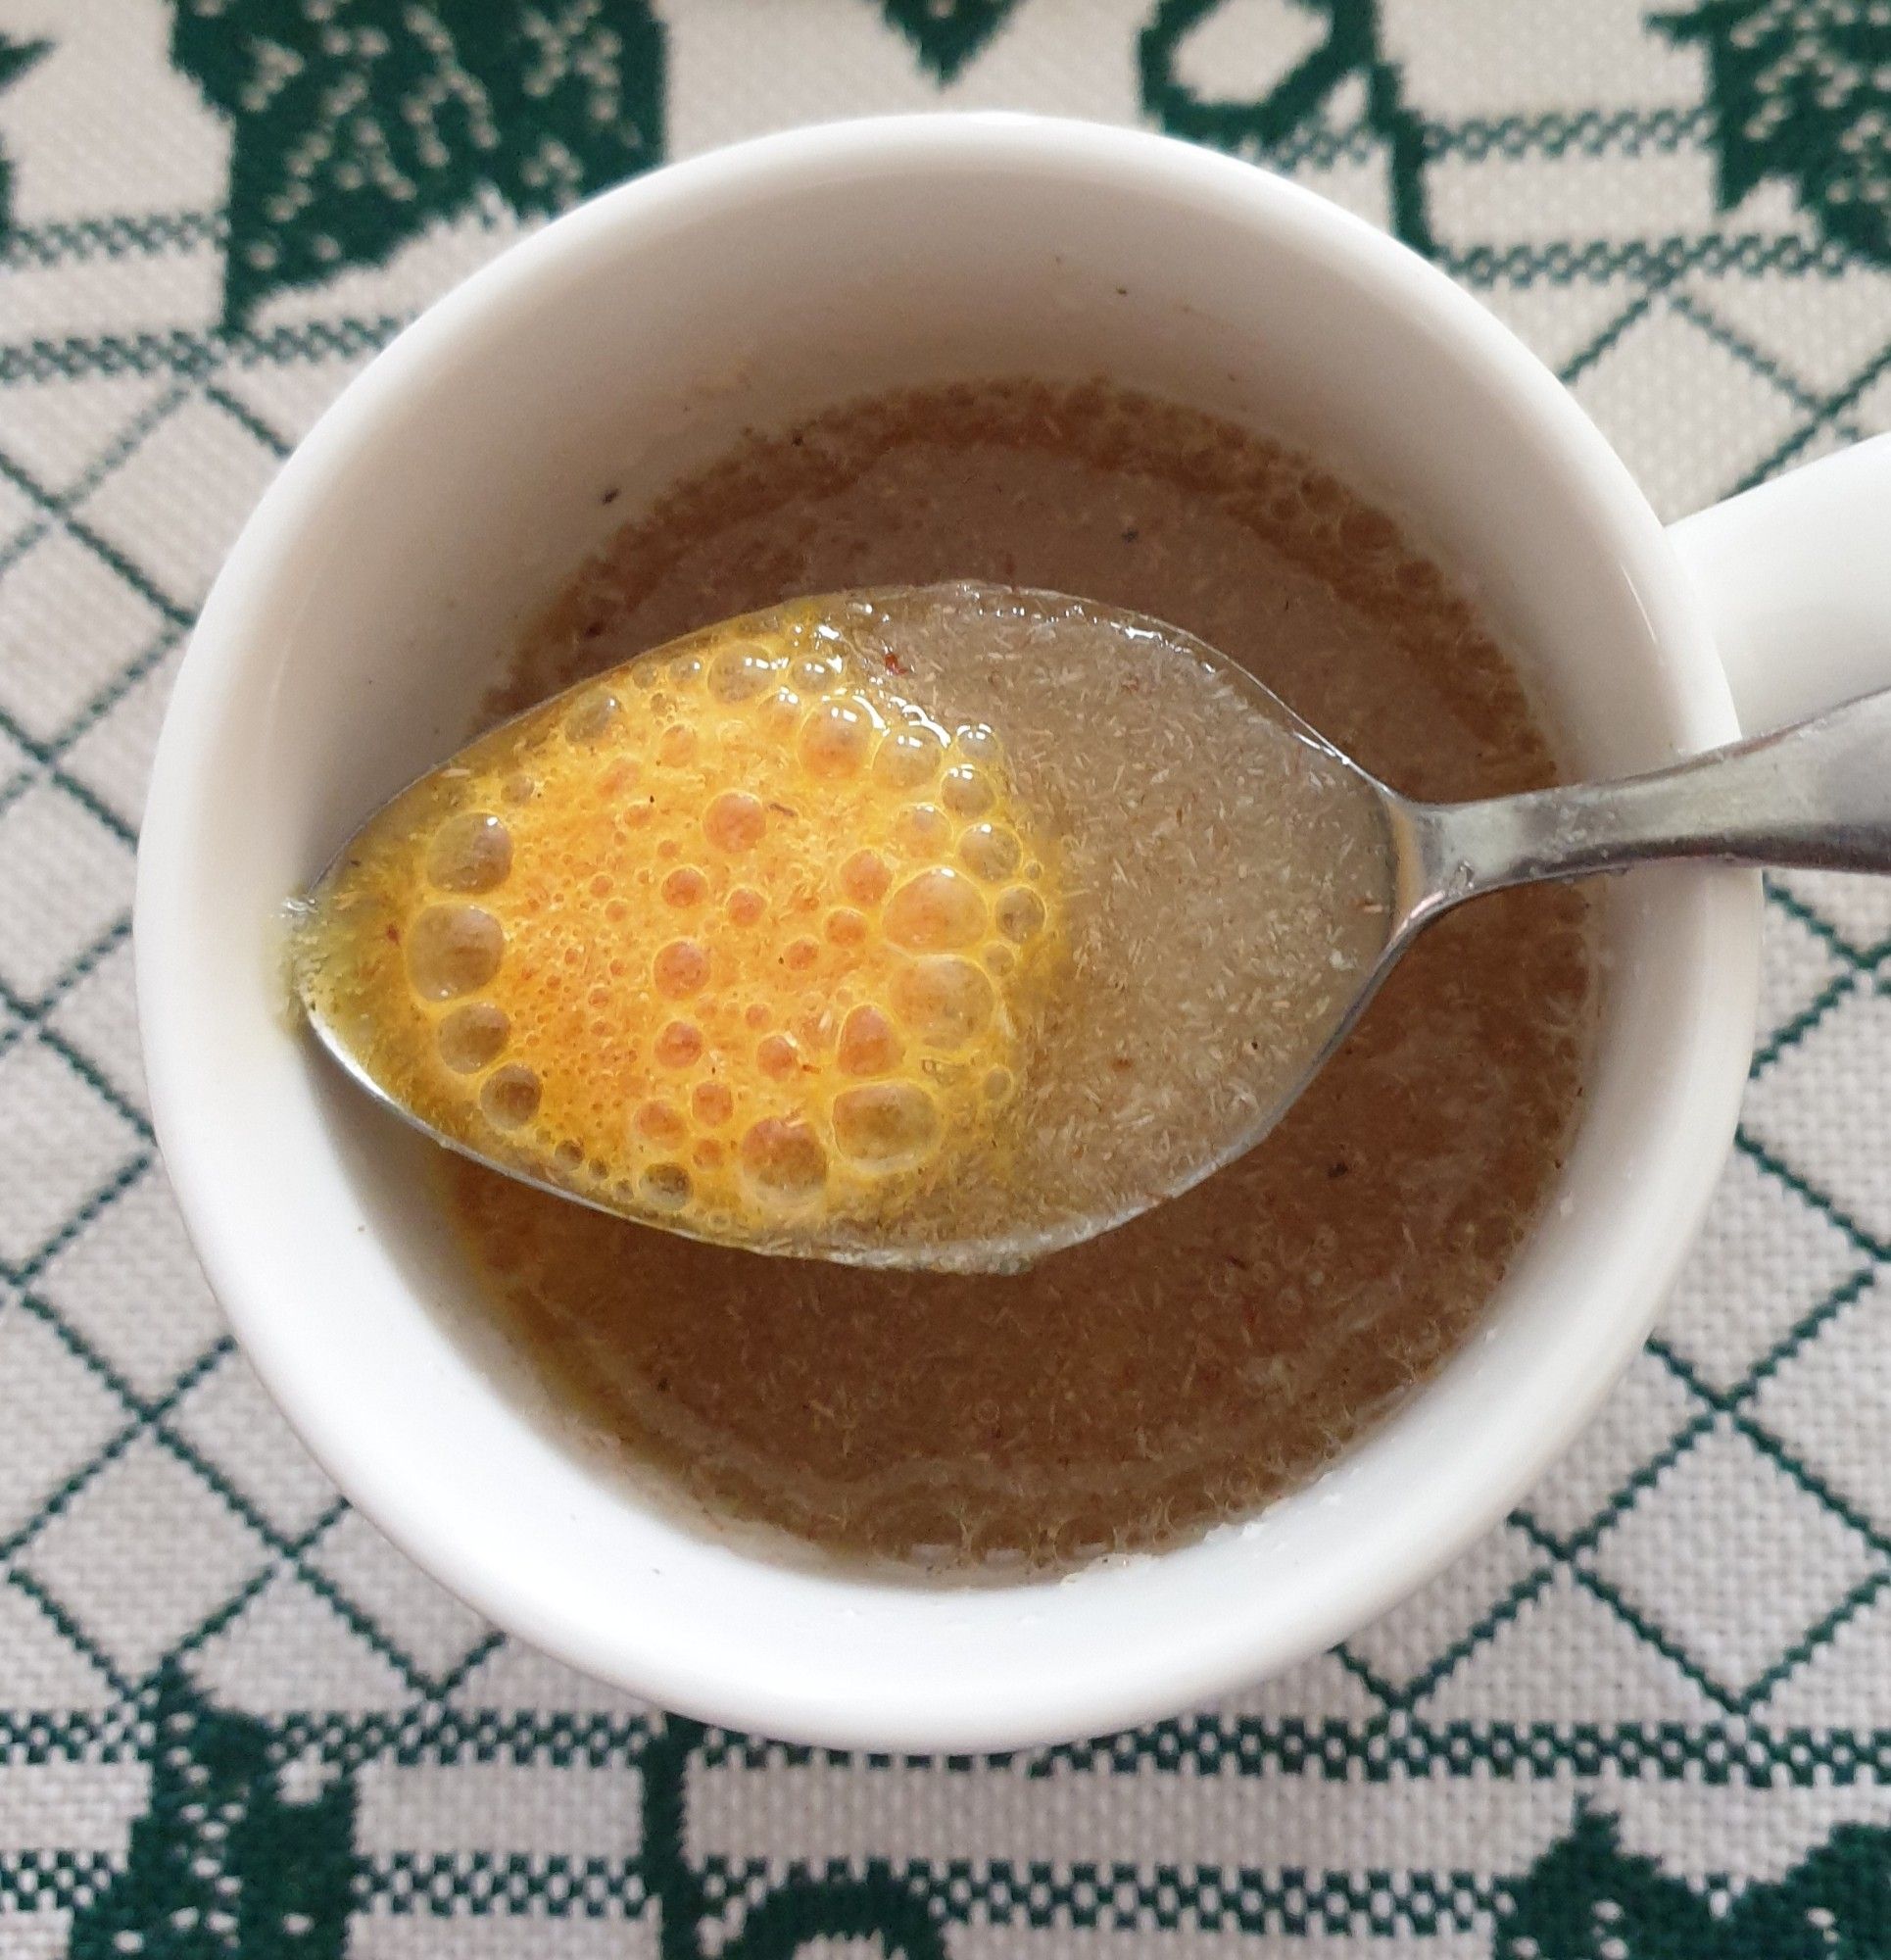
(1818, 795)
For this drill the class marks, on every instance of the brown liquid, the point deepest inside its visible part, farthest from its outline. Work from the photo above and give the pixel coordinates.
(1182, 1370)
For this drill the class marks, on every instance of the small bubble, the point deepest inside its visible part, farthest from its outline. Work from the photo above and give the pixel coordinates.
(711, 1105)
(519, 789)
(684, 670)
(798, 955)
(678, 1044)
(781, 712)
(997, 1085)
(660, 1123)
(864, 878)
(922, 830)
(568, 1157)
(1020, 913)
(679, 968)
(999, 959)
(707, 1152)
(776, 1056)
(746, 906)
(471, 1036)
(452, 950)
(965, 793)
(944, 1000)
(845, 927)
(836, 739)
(756, 1016)
(935, 911)
(908, 758)
(676, 745)
(470, 852)
(977, 743)
(665, 1187)
(869, 1044)
(783, 1159)
(886, 1126)
(510, 1096)
(989, 853)
(742, 670)
(734, 822)
(587, 719)
(815, 671)
(685, 887)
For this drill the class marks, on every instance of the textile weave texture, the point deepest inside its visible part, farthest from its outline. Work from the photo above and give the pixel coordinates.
(1648, 1716)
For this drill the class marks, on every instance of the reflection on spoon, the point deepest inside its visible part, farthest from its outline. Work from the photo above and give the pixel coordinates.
(935, 927)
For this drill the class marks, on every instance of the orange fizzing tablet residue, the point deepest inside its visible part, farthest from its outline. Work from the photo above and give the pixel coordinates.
(734, 938)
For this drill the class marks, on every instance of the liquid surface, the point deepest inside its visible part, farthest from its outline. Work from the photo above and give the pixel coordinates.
(1200, 1360)
(768, 936)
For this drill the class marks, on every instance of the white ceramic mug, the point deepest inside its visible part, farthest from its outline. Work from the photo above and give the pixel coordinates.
(453, 486)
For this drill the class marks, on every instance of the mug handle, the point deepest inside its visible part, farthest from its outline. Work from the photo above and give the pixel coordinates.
(1796, 579)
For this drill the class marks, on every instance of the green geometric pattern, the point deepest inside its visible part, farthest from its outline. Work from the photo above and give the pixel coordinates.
(1650, 1715)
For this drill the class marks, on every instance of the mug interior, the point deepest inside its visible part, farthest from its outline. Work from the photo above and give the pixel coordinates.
(442, 503)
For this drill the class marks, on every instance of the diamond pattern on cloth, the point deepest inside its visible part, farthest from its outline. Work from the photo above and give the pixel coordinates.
(1649, 1715)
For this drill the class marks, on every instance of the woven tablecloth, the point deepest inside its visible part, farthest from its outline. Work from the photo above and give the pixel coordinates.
(1649, 1715)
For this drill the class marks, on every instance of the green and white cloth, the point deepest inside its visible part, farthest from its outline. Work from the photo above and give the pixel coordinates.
(1649, 1715)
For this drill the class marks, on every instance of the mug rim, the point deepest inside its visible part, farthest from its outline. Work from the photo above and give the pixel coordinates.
(1705, 1103)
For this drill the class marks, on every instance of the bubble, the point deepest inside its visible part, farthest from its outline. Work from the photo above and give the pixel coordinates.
(509, 1095)
(1020, 913)
(568, 1157)
(864, 878)
(676, 745)
(646, 672)
(999, 959)
(935, 911)
(588, 718)
(886, 1126)
(665, 1187)
(989, 853)
(922, 830)
(471, 1036)
(686, 886)
(713, 1105)
(470, 852)
(813, 671)
(781, 712)
(845, 927)
(908, 758)
(661, 1124)
(684, 670)
(977, 743)
(679, 968)
(742, 670)
(776, 1056)
(782, 1159)
(746, 906)
(519, 789)
(452, 950)
(869, 1042)
(678, 1044)
(965, 793)
(946, 1000)
(756, 1015)
(997, 1085)
(798, 955)
(734, 822)
(836, 739)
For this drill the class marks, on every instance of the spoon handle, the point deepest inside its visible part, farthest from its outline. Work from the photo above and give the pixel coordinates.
(1814, 796)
